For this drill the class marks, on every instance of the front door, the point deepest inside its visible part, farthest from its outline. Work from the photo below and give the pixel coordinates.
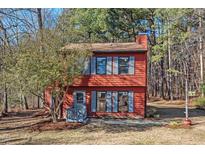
(80, 105)
(78, 112)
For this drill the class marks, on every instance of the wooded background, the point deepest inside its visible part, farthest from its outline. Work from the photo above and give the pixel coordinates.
(175, 36)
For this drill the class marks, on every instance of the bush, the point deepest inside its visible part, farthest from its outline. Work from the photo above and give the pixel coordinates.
(200, 102)
(174, 124)
(151, 113)
(203, 88)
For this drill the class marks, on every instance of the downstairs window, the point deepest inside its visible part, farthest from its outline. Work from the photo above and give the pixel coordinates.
(101, 101)
(123, 101)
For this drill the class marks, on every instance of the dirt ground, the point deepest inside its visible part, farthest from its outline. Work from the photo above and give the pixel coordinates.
(31, 127)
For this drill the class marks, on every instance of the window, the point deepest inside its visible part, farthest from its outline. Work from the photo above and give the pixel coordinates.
(101, 101)
(123, 65)
(112, 101)
(123, 101)
(80, 97)
(101, 65)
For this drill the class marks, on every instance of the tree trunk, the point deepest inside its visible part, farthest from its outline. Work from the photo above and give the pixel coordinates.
(40, 25)
(21, 101)
(53, 110)
(169, 63)
(5, 101)
(149, 71)
(162, 79)
(33, 101)
(38, 102)
(201, 52)
(25, 103)
(53, 114)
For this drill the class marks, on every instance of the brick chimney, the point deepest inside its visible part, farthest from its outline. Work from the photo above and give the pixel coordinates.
(142, 40)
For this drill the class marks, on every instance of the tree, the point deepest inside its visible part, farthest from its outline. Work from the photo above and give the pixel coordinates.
(33, 71)
(84, 25)
(21, 26)
(201, 49)
(5, 45)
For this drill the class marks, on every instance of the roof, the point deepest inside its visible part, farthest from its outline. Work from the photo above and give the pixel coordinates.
(139, 45)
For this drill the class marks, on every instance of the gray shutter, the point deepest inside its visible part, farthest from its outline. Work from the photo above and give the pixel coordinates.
(109, 101)
(93, 101)
(131, 64)
(115, 101)
(115, 65)
(84, 97)
(87, 67)
(130, 102)
(109, 65)
(93, 65)
(82, 108)
(74, 97)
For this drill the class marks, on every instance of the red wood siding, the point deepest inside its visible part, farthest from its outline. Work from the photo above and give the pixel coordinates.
(139, 100)
(68, 100)
(47, 96)
(138, 79)
(136, 83)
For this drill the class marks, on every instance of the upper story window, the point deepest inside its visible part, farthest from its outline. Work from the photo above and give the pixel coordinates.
(101, 65)
(110, 65)
(123, 65)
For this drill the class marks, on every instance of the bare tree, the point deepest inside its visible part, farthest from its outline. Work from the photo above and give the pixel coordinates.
(201, 50)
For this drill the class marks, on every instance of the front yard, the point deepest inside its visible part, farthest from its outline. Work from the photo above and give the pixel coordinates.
(30, 128)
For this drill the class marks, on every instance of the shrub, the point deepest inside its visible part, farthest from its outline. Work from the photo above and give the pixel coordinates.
(203, 88)
(151, 113)
(174, 124)
(199, 102)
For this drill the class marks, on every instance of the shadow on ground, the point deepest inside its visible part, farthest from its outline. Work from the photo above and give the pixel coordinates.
(177, 112)
(109, 128)
(24, 126)
(29, 123)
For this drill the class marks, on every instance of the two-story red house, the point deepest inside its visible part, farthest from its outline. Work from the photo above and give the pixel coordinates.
(115, 82)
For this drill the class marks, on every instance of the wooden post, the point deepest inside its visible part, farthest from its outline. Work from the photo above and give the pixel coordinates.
(187, 98)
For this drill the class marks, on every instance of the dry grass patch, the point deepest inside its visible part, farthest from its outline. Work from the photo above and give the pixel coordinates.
(31, 128)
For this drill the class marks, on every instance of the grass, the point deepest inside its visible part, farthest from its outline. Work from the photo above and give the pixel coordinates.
(17, 129)
(200, 102)
(175, 124)
(99, 136)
